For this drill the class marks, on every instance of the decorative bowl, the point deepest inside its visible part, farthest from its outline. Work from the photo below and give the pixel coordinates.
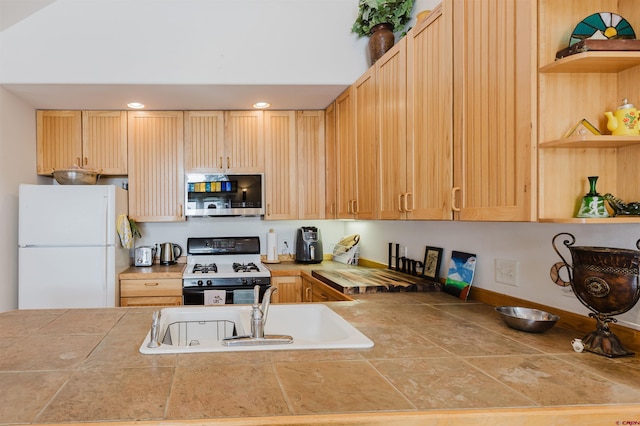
(76, 176)
(527, 319)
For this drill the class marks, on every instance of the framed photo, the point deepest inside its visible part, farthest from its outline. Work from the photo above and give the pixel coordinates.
(432, 261)
(462, 268)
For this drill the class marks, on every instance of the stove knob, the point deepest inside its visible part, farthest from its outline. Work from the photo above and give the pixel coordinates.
(244, 281)
(199, 282)
(209, 282)
(254, 281)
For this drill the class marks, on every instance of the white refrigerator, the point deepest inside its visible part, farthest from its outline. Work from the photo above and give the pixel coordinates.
(69, 251)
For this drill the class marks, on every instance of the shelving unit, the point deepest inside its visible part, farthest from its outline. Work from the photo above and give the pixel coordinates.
(584, 85)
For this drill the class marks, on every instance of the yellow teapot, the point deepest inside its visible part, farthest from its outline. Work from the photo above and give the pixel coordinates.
(624, 121)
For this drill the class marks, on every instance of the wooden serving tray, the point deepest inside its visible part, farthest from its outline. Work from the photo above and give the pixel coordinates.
(599, 45)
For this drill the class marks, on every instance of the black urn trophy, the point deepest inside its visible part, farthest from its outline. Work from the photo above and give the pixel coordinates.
(605, 280)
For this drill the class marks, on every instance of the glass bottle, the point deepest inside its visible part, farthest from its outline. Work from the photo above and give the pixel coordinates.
(593, 204)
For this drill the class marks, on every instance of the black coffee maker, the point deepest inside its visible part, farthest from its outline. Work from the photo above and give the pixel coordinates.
(308, 245)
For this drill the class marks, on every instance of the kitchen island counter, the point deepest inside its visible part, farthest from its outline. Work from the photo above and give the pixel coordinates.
(435, 359)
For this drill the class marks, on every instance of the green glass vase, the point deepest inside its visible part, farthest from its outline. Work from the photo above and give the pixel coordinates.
(593, 204)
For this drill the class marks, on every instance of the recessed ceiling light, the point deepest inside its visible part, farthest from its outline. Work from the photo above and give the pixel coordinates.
(135, 105)
(261, 105)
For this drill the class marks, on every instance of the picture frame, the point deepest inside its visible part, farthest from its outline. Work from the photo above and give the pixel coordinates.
(432, 262)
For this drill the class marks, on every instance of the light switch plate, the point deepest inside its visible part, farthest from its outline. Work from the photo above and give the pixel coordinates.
(506, 271)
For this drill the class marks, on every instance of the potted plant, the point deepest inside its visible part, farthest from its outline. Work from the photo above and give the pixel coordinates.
(380, 19)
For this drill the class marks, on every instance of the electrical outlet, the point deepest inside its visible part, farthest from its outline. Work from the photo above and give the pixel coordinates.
(507, 271)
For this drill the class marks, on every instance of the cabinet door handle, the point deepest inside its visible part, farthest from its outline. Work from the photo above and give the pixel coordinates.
(228, 163)
(332, 208)
(406, 202)
(454, 191)
(400, 196)
(155, 284)
(180, 210)
(307, 296)
(86, 161)
(268, 209)
(220, 162)
(355, 206)
(78, 163)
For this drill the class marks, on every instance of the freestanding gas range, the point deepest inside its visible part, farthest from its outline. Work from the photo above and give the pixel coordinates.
(223, 270)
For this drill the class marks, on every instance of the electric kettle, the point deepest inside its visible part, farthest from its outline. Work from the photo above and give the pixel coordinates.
(169, 253)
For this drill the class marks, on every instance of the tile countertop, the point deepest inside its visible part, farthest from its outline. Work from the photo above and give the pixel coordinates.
(436, 360)
(158, 271)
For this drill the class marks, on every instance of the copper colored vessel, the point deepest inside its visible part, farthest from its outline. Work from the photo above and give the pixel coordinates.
(605, 280)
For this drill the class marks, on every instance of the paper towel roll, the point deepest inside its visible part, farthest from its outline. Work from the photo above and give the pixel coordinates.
(272, 246)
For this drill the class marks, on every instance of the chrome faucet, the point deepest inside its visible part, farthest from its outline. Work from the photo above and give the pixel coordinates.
(259, 313)
(258, 320)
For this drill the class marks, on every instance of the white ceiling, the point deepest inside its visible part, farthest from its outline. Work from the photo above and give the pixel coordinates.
(156, 96)
(175, 97)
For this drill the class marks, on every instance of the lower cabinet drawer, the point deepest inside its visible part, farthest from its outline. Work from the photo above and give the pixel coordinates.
(151, 287)
(151, 301)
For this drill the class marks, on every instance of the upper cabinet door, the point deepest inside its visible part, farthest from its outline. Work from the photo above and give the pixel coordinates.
(204, 141)
(311, 164)
(494, 116)
(391, 77)
(430, 117)
(366, 146)
(59, 140)
(280, 165)
(331, 162)
(156, 166)
(346, 154)
(244, 142)
(104, 141)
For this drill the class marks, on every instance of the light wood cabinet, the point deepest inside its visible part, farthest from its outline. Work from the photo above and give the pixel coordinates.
(224, 141)
(204, 141)
(494, 93)
(470, 141)
(294, 165)
(304, 289)
(581, 86)
(391, 75)
(356, 150)
(310, 135)
(243, 142)
(331, 163)
(95, 139)
(281, 165)
(156, 166)
(317, 291)
(366, 132)
(429, 154)
(346, 154)
(151, 292)
(289, 289)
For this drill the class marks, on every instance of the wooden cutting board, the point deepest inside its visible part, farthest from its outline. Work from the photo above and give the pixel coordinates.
(372, 280)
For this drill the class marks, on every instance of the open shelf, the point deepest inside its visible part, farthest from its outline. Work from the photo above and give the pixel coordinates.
(598, 62)
(592, 141)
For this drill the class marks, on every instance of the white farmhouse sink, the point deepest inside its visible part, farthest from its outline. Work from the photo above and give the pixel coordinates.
(201, 329)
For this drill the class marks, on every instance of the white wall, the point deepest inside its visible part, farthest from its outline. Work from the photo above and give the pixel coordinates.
(528, 243)
(331, 231)
(17, 165)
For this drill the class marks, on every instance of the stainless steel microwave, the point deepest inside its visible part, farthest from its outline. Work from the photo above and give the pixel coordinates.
(219, 194)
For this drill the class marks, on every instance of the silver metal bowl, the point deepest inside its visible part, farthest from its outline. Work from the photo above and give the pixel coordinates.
(527, 319)
(76, 176)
